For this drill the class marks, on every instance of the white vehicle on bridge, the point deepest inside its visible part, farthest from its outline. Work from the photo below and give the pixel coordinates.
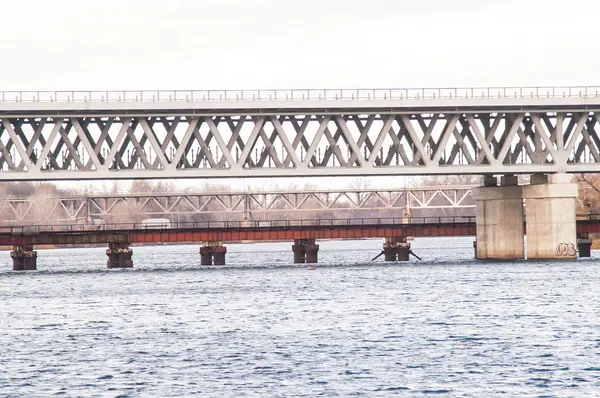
(156, 223)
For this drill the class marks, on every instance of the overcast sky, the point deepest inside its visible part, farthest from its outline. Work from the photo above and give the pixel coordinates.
(186, 44)
(234, 44)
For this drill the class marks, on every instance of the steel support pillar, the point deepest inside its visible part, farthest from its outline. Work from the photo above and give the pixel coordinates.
(584, 246)
(299, 253)
(212, 253)
(550, 203)
(396, 248)
(119, 255)
(305, 251)
(499, 222)
(389, 254)
(206, 255)
(24, 258)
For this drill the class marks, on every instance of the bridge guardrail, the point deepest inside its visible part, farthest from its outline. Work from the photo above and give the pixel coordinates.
(234, 225)
(298, 94)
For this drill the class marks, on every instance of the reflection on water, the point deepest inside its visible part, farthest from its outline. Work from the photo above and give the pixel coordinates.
(262, 326)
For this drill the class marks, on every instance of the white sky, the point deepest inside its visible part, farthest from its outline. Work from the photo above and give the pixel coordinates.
(234, 44)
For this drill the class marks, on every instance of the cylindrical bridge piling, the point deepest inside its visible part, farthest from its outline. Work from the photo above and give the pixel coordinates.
(212, 253)
(206, 255)
(584, 246)
(305, 251)
(24, 258)
(119, 255)
(219, 255)
(299, 254)
(396, 248)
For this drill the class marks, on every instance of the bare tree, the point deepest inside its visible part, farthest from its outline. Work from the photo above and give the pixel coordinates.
(19, 189)
(141, 186)
(360, 184)
(43, 210)
(589, 192)
(447, 180)
(120, 213)
(5, 212)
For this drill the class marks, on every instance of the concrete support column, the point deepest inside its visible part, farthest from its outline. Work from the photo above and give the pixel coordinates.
(550, 206)
(305, 251)
(499, 211)
(24, 258)
(212, 253)
(119, 255)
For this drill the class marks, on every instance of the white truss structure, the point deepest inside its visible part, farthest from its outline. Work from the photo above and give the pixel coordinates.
(230, 205)
(133, 135)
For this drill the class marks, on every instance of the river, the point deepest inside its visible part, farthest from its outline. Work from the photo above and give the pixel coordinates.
(444, 326)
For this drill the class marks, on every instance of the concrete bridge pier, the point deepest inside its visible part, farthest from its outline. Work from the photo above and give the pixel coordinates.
(550, 208)
(499, 219)
(396, 248)
(212, 253)
(24, 258)
(119, 255)
(305, 251)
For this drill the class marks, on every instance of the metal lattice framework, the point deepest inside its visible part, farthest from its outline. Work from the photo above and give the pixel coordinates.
(91, 135)
(228, 205)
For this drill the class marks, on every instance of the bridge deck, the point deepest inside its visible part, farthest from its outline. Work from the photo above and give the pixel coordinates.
(237, 231)
(254, 231)
(382, 107)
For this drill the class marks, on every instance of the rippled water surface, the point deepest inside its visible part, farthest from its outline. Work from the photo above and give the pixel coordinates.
(262, 327)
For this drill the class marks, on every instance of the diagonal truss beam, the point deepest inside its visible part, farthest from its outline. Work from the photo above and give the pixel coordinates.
(356, 143)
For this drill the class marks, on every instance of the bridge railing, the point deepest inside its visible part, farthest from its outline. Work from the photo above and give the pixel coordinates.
(236, 225)
(298, 94)
(245, 225)
(251, 225)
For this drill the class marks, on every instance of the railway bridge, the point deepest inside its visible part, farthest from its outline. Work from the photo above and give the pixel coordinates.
(213, 234)
(547, 133)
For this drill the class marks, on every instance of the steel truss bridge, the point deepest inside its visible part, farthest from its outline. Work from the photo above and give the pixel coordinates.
(80, 135)
(230, 205)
